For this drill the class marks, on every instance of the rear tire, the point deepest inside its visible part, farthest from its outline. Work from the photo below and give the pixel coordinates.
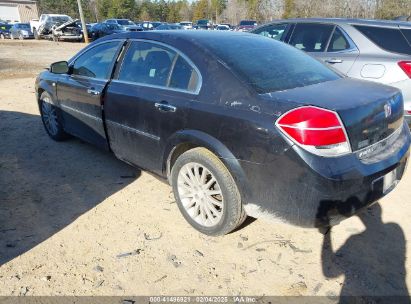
(2, 37)
(51, 117)
(206, 193)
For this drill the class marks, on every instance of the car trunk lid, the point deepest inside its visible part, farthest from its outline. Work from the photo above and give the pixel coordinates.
(370, 112)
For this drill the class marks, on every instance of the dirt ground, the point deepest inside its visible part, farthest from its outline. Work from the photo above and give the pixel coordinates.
(76, 221)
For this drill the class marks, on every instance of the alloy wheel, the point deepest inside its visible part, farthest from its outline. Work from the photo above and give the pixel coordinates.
(200, 194)
(49, 116)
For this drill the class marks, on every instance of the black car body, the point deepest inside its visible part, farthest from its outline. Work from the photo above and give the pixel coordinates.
(272, 122)
(5, 31)
(103, 29)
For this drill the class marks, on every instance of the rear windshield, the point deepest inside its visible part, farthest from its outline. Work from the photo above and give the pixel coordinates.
(390, 39)
(248, 22)
(279, 66)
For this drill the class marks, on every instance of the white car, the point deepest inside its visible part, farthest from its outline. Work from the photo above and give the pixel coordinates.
(187, 25)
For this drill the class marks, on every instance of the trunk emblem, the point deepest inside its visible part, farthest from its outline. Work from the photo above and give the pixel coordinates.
(387, 110)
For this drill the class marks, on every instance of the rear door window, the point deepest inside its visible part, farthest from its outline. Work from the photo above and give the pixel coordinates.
(275, 31)
(338, 42)
(147, 63)
(390, 39)
(311, 37)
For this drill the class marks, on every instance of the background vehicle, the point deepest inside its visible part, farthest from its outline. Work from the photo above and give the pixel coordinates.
(283, 135)
(70, 30)
(169, 26)
(222, 27)
(204, 24)
(148, 25)
(246, 25)
(103, 29)
(5, 31)
(125, 24)
(21, 31)
(187, 25)
(42, 28)
(378, 51)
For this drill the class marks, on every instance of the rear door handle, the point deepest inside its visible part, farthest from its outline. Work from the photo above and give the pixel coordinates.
(165, 107)
(92, 91)
(334, 60)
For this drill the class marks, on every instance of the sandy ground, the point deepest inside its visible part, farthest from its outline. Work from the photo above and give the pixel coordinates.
(77, 221)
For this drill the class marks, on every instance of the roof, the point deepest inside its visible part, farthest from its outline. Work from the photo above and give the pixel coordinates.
(370, 22)
(199, 36)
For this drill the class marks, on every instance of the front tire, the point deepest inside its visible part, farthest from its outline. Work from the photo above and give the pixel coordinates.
(50, 115)
(206, 193)
(21, 37)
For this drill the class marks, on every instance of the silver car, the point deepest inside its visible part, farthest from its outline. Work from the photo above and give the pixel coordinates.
(372, 50)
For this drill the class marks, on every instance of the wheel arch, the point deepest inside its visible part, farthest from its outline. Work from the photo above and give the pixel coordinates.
(185, 140)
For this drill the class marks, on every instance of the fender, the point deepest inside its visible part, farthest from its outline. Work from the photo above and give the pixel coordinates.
(49, 88)
(197, 138)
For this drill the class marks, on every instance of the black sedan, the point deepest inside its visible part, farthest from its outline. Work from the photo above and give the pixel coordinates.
(5, 31)
(99, 30)
(239, 124)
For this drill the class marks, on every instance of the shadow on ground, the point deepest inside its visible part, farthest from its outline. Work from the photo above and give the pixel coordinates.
(45, 185)
(372, 262)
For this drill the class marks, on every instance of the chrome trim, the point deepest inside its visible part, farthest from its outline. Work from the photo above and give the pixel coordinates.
(389, 140)
(153, 86)
(81, 112)
(179, 53)
(139, 132)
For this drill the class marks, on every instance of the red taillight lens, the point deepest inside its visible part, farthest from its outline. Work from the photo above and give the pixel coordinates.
(406, 67)
(317, 130)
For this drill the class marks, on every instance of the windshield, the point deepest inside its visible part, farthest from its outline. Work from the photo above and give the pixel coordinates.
(202, 21)
(125, 22)
(278, 67)
(24, 26)
(248, 22)
(60, 19)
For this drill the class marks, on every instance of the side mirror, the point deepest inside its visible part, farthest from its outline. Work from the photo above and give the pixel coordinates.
(60, 67)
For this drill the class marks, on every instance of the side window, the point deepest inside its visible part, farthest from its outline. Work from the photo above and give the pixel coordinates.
(390, 39)
(96, 62)
(311, 37)
(147, 63)
(338, 42)
(275, 31)
(184, 76)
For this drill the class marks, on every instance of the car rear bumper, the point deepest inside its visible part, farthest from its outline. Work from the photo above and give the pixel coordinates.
(307, 190)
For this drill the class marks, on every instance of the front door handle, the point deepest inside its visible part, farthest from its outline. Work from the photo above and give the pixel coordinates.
(165, 107)
(92, 91)
(333, 61)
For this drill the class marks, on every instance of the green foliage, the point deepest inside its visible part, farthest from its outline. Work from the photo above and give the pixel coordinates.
(289, 7)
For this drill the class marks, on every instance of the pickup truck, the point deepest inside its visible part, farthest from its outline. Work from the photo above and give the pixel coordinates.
(56, 27)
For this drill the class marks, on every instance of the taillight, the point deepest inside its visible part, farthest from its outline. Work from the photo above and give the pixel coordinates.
(317, 130)
(406, 67)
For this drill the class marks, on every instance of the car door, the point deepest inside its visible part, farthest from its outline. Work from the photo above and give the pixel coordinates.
(80, 92)
(341, 52)
(276, 31)
(148, 101)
